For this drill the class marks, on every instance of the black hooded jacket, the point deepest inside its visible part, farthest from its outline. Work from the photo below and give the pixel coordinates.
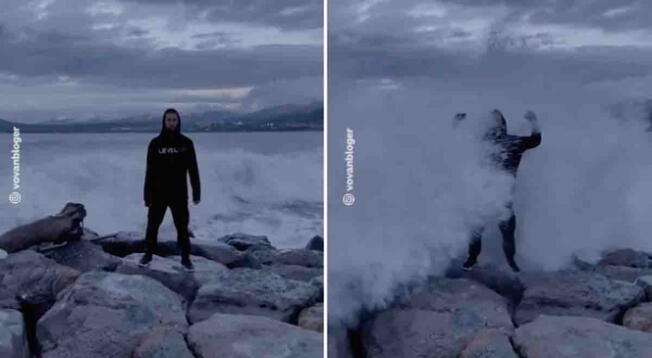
(170, 157)
(510, 148)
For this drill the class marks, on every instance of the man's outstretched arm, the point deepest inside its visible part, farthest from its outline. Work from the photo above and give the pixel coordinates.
(193, 170)
(535, 138)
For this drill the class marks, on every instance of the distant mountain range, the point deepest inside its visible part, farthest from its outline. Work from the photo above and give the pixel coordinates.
(280, 118)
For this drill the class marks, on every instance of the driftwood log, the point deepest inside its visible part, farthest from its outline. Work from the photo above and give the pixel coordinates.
(67, 225)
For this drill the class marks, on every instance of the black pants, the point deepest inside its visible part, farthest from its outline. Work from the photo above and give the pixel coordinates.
(507, 228)
(180, 215)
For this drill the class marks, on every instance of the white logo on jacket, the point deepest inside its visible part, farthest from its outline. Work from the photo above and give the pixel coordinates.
(166, 150)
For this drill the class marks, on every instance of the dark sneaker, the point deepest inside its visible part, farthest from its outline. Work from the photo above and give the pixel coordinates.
(469, 264)
(185, 262)
(145, 260)
(514, 266)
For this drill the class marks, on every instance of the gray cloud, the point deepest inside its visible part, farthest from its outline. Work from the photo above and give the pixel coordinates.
(481, 42)
(284, 14)
(64, 49)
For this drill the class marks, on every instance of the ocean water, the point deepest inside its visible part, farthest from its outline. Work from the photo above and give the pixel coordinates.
(257, 183)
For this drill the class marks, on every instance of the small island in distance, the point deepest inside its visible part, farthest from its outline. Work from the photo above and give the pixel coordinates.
(288, 117)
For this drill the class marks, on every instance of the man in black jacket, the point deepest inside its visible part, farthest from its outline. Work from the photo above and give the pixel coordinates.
(507, 156)
(170, 158)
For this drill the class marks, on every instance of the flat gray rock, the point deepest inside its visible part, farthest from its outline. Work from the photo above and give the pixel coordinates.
(84, 256)
(244, 242)
(255, 292)
(244, 336)
(580, 337)
(170, 272)
(107, 315)
(575, 293)
(125, 243)
(436, 322)
(312, 318)
(489, 343)
(34, 277)
(639, 317)
(163, 342)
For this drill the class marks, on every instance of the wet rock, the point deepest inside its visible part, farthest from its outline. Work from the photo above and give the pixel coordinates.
(125, 243)
(439, 321)
(244, 242)
(645, 282)
(628, 258)
(255, 292)
(579, 337)
(12, 336)
(299, 257)
(622, 273)
(489, 343)
(163, 342)
(575, 293)
(34, 277)
(639, 317)
(107, 315)
(312, 318)
(83, 256)
(493, 276)
(169, 272)
(244, 336)
(295, 272)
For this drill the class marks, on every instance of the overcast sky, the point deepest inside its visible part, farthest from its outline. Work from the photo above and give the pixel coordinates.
(603, 45)
(81, 59)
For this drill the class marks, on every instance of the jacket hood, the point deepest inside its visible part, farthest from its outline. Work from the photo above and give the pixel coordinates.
(497, 130)
(164, 130)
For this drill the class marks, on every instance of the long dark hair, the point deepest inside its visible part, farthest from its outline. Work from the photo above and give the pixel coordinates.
(170, 110)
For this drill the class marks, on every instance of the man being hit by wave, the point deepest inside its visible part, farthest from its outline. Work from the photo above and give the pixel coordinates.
(170, 159)
(507, 156)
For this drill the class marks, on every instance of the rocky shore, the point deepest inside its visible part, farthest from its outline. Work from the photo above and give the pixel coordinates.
(87, 297)
(583, 311)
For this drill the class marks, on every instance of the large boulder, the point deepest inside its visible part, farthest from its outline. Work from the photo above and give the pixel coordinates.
(438, 322)
(125, 243)
(621, 273)
(318, 282)
(12, 335)
(163, 342)
(295, 272)
(489, 343)
(299, 257)
(256, 292)
(628, 258)
(244, 336)
(83, 256)
(108, 314)
(639, 317)
(496, 277)
(575, 293)
(58, 228)
(30, 276)
(169, 272)
(645, 282)
(312, 318)
(579, 337)
(245, 242)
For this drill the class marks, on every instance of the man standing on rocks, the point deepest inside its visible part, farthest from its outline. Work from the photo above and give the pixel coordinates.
(509, 150)
(170, 158)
